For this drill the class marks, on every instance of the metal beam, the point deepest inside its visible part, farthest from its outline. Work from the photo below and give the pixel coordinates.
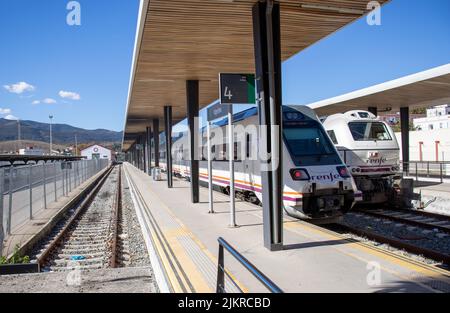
(156, 140)
(404, 122)
(373, 110)
(144, 152)
(192, 93)
(266, 32)
(148, 146)
(168, 133)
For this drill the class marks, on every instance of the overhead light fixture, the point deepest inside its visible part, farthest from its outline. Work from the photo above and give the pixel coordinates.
(388, 109)
(332, 9)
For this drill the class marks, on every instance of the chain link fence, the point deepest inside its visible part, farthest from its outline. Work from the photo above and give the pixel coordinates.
(27, 190)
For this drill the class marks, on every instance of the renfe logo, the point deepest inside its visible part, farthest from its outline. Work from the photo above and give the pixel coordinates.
(328, 177)
(378, 161)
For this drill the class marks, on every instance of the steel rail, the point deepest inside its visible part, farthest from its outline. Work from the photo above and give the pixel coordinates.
(406, 220)
(434, 255)
(80, 208)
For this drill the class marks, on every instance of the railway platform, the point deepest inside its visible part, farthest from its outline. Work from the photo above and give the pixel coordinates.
(182, 242)
(31, 231)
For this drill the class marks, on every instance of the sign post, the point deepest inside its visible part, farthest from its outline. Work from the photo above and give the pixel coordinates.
(235, 89)
(210, 174)
(214, 112)
(231, 156)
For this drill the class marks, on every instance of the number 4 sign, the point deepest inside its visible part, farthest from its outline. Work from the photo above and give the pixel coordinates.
(237, 88)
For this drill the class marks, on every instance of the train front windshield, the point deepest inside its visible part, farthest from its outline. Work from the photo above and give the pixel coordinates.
(369, 131)
(309, 145)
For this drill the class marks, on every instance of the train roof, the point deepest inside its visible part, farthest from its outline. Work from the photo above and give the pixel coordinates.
(237, 117)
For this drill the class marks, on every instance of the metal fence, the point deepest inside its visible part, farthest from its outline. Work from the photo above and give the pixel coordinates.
(27, 190)
(428, 169)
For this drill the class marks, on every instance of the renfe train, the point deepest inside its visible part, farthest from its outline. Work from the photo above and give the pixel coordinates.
(369, 148)
(317, 184)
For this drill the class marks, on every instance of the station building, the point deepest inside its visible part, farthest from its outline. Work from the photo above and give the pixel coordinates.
(96, 152)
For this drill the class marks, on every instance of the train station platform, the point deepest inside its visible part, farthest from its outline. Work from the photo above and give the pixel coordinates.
(182, 242)
(28, 233)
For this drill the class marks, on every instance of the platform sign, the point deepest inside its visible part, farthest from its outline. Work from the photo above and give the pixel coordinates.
(237, 88)
(216, 111)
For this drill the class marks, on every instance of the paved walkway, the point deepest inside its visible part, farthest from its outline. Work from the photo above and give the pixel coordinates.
(184, 237)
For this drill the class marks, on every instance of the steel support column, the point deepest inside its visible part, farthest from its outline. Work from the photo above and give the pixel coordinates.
(267, 44)
(168, 133)
(144, 152)
(148, 141)
(192, 93)
(156, 140)
(404, 122)
(373, 110)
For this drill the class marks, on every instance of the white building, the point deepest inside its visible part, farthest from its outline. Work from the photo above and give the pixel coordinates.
(428, 145)
(96, 152)
(437, 118)
(31, 151)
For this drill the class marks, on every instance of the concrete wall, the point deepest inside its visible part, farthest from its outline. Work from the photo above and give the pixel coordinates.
(429, 139)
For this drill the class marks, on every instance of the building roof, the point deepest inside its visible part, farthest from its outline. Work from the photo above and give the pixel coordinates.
(93, 146)
(178, 40)
(427, 88)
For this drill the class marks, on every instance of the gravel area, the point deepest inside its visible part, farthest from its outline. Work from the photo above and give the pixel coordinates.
(430, 239)
(136, 245)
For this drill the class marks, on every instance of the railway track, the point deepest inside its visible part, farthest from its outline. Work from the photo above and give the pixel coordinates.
(419, 233)
(422, 219)
(89, 238)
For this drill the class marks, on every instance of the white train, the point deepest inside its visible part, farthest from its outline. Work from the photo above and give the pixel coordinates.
(317, 184)
(370, 149)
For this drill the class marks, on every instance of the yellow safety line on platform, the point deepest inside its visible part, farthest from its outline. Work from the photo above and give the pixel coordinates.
(415, 266)
(191, 269)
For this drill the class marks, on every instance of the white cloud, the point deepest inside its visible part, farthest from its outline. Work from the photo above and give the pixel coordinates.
(19, 88)
(36, 102)
(49, 101)
(5, 111)
(11, 117)
(69, 95)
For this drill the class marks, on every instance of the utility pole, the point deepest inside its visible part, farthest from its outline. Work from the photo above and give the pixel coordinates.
(76, 145)
(18, 135)
(51, 140)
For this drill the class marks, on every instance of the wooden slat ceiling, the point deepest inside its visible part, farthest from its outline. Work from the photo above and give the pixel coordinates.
(197, 39)
(391, 96)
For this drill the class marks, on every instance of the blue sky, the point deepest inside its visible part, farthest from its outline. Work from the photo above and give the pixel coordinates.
(93, 60)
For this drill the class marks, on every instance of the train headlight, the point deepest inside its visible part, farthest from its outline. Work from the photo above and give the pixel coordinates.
(343, 171)
(395, 168)
(299, 174)
(356, 170)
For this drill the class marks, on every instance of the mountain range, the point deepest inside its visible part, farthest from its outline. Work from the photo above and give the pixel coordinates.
(62, 133)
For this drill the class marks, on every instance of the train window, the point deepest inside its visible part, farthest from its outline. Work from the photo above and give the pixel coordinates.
(332, 136)
(309, 145)
(368, 131)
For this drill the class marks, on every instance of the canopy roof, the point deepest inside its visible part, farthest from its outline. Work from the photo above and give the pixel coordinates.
(181, 40)
(427, 88)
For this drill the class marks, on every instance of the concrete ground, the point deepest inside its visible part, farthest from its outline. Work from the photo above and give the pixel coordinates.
(122, 280)
(313, 260)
